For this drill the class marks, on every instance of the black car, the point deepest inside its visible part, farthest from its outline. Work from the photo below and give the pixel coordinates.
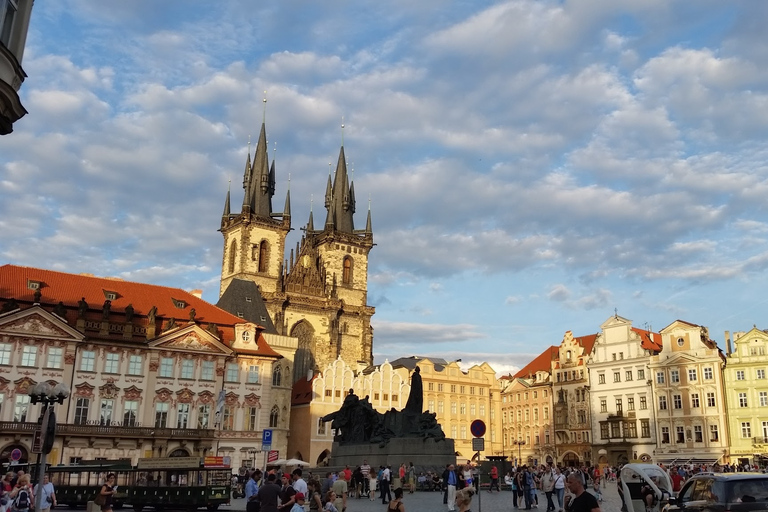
(714, 492)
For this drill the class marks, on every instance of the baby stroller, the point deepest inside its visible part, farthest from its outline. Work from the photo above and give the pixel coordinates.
(640, 484)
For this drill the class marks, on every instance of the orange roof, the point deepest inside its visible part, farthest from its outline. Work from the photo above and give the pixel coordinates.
(587, 342)
(649, 340)
(302, 391)
(542, 363)
(69, 289)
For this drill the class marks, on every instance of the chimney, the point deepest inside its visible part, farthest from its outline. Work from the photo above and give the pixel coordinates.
(197, 293)
(728, 343)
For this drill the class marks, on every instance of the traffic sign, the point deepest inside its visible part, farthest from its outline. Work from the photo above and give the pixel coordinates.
(478, 444)
(37, 441)
(477, 428)
(266, 437)
(16, 454)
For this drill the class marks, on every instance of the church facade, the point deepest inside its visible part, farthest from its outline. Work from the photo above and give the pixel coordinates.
(318, 292)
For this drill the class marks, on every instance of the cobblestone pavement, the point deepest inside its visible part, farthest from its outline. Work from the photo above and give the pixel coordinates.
(433, 502)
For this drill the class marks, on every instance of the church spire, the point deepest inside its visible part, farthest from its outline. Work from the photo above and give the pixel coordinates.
(247, 178)
(368, 225)
(287, 208)
(226, 202)
(341, 207)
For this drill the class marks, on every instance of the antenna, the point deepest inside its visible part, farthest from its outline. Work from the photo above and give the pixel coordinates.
(264, 113)
(342, 130)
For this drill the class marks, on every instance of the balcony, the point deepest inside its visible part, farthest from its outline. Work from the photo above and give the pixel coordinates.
(99, 430)
(759, 440)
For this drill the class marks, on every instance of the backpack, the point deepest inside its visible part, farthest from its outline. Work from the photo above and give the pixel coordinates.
(21, 501)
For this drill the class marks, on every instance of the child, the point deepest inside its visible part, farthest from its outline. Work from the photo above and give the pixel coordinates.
(299, 505)
(596, 487)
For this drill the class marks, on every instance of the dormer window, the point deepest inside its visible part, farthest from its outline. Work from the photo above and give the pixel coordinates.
(239, 314)
(33, 285)
(110, 295)
(246, 336)
(180, 304)
(263, 319)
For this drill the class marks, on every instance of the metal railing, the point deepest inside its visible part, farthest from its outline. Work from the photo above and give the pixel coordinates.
(67, 429)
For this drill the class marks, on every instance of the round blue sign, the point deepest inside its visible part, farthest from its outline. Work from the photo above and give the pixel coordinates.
(477, 428)
(16, 454)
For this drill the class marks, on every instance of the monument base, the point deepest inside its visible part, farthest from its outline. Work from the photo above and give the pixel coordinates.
(424, 453)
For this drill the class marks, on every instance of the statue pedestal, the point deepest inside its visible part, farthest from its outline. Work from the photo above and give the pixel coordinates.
(424, 453)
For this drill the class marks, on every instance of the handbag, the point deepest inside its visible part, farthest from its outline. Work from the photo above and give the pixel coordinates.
(100, 499)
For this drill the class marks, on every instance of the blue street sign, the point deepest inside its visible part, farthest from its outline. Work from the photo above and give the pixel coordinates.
(266, 437)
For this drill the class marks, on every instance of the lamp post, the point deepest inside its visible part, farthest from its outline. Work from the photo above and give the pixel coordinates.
(519, 444)
(46, 394)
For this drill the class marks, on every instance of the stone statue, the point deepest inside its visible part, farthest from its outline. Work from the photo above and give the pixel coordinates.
(171, 323)
(152, 315)
(192, 314)
(415, 402)
(129, 313)
(37, 295)
(11, 305)
(213, 329)
(60, 310)
(82, 308)
(105, 309)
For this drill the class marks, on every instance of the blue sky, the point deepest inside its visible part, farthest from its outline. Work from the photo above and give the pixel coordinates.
(531, 165)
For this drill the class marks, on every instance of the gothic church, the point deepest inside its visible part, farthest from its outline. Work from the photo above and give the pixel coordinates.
(318, 294)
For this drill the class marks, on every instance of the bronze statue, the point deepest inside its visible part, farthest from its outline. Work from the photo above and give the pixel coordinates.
(152, 315)
(82, 308)
(60, 310)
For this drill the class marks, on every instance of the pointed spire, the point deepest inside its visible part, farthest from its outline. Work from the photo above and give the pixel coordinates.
(247, 179)
(329, 188)
(261, 185)
(287, 208)
(226, 201)
(341, 201)
(311, 222)
(368, 225)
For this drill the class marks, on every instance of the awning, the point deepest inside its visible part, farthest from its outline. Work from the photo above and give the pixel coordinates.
(677, 461)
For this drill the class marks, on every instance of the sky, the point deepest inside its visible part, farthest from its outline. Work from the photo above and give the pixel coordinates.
(533, 167)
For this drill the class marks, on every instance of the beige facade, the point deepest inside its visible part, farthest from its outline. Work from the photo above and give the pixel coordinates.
(153, 371)
(527, 418)
(14, 24)
(746, 396)
(687, 388)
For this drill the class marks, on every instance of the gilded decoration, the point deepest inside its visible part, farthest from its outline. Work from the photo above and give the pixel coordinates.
(231, 399)
(84, 390)
(109, 390)
(163, 395)
(132, 393)
(185, 396)
(205, 397)
(252, 400)
(23, 385)
(191, 341)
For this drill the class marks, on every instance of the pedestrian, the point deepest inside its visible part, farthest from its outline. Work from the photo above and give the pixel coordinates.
(313, 496)
(341, 490)
(268, 494)
(451, 481)
(298, 506)
(372, 479)
(299, 485)
(108, 491)
(396, 505)
(548, 486)
(48, 494)
(251, 489)
(287, 493)
(365, 468)
(386, 480)
(464, 499)
(22, 498)
(582, 500)
(559, 488)
(444, 483)
(494, 479)
(412, 477)
(330, 502)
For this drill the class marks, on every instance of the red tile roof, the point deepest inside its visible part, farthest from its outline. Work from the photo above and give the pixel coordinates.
(587, 342)
(542, 363)
(649, 340)
(69, 289)
(302, 391)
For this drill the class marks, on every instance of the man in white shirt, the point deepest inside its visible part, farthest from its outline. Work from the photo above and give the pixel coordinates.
(386, 478)
(298, 483)
(366, 470)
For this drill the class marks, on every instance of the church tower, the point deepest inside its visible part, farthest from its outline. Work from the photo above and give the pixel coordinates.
(318, 292)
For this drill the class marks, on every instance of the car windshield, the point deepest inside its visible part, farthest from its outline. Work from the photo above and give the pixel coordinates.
(749, 491)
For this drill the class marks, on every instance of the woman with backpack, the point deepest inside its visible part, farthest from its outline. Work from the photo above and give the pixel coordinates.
(22, 497)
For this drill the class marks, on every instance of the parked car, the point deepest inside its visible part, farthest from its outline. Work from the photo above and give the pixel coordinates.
(715, 492)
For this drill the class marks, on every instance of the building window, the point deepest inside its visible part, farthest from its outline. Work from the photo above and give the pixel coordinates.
(663, 403)
(630, 429)
(263, 255)
(206, 370)
(743, 400)
(645, 428)
(228, 418)
(680, 435)
(746, 430)
(87, 361)
(166, 367)
(619, 406)
(105, 413)
(440, 407)
(631, 403)
(601, 378)
(453, 407)
(5, 353)
(659, 377)
(454, 431)
(54, 357)
(482, 411)
(81, 411)
(130, 413)
(161, 415)
(112, 363)
(604, 433)
(695, 400)
(461, 389)
(182, 416)
(692, 375)
(251, 419)
(711, 399)
(535, 414)
(677, 401)
(431, 386)
(329, 393)
(253, 374)
(274, 416)
(739, 374)
(232, 372)
(760, 374)
(276, 375)
(431, 405)
(453, 388)
(203, 416)
(463, 409)
(232, 256)
(628, 375)
(615, 429)
(463, 432)
(714, 436)
(187, 369)
(698, 434)
(616, 376)
(346, 276)
(21, 407)
(546, 413)
(643, 403)
(582, 415)
(763, 398)
(472, 410)
(674, 376)
(708, 374)
(320, 427)
(135, 365)
(641, 374)
(440, 388)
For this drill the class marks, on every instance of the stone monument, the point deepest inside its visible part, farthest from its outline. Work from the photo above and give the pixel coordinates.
(410, 435)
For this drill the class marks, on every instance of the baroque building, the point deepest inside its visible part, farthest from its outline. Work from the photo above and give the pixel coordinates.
(687, 389)
(746, 396)
(573, 426)
(623, 426)
(527, 407)
(318, 294)
(14, 24)
(153, 371)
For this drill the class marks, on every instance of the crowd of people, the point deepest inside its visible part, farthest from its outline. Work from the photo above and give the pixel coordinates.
(18, 494)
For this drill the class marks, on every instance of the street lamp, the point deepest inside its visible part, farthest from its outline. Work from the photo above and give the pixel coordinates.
(519, 444)
(46, 394)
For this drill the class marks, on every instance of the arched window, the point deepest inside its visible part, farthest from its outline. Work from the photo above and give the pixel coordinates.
(232, 255)
(263, 255)
(274, 416)
(276, 376)
(347, 275)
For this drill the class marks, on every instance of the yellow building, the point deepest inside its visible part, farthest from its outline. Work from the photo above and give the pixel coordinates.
(746, 396)
(687, 390)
